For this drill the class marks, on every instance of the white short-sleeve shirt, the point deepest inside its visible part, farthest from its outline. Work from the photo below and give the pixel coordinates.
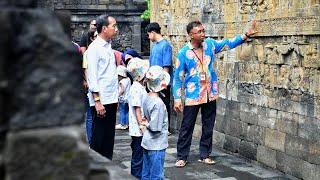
(137, 96)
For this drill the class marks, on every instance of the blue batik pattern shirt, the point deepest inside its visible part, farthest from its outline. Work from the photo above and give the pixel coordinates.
(188, 67)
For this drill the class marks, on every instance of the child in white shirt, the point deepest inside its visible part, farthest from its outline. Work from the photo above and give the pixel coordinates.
(124, 87)
(137, 94)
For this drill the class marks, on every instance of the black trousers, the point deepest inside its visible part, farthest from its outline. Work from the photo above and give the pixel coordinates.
(208, 114)
(103, 131)
(166, 101)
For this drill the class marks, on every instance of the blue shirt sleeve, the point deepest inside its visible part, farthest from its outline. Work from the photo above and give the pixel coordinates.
(226, 44)
(167, 55)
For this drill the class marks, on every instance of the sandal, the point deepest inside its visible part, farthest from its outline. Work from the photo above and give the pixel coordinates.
(207, 160)
(180, 163)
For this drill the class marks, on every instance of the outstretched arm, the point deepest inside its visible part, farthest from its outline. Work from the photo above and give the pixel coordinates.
(226, 44)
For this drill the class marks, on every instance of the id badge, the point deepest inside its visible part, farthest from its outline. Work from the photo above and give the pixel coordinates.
(202, 77)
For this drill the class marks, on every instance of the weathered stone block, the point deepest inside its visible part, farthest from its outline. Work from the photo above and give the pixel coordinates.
(314, 153)
(310, 171)
(220, 123)
(266, 117)
(246, 52)
(299, 108)
(267, 156)
(38, 153)
(39, 71)
(289, 164)
(218, 139)
(236, 128)
(275, 139)
(297, 147)
(244, 107)
(231, 144)
(248, 150)
(255, 134)
(287, 126)
(309, 128)
(249, 117)
(267, 122)
(232, 110)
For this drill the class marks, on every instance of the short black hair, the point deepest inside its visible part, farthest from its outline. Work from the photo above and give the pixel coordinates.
(102, 20)
(155, 27)
(192, 25)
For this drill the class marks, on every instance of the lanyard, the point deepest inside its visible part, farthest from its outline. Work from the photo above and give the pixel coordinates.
(199, 59)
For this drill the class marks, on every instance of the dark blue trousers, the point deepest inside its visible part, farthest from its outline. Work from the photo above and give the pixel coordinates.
(208, 114)
(137, 157)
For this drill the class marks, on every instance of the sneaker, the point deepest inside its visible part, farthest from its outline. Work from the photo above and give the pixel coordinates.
(124, 127)
(118, 126)
(121, 127)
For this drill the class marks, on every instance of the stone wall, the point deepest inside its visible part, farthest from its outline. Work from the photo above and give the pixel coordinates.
(126, 12)
(269, 106)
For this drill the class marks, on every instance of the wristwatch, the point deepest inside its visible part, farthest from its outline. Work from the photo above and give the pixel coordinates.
(246, 34)
(96, 99)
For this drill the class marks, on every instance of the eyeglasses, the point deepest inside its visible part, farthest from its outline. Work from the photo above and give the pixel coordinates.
(199, 32)
(94, 24)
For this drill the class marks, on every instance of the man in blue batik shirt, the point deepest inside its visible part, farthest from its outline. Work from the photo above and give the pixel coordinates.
(161, 55)
(194, 71)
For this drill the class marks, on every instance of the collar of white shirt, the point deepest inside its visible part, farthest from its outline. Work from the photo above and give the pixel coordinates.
(102, 42)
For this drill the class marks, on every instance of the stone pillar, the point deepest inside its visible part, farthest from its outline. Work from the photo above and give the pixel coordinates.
(136, 37)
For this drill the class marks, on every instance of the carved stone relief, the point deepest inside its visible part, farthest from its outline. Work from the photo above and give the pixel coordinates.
(273, 54)
(312, 56)
(251, 6)
(291, 51)
(123, 39)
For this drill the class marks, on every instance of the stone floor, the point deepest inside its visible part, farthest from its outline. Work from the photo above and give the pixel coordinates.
(227, 167)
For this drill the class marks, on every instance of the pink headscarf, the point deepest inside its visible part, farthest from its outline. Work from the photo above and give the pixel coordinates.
(117, 55)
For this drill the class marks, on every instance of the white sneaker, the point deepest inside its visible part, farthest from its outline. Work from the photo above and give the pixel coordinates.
(118, 126)
(124, 127)
(121, 127)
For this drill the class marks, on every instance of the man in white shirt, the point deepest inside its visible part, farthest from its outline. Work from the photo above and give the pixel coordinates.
(103, 86)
